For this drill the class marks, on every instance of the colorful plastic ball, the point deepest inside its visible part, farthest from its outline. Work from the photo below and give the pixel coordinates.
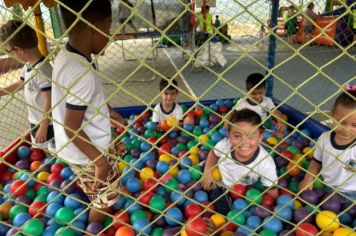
(15, 210)
(237, 191)
(272, 223)
(94, 228)
(331, 203)
(170, 185)
(42, 176)
(306, 229)
(55, 196)
(192, 210)
(283, 212)
(240, 204)
(133, 185)
(18, 187)
(64, 215)
(303, 214)
(157, 232)
(309, 196)
(125, 231)
(327, 221)
(172, 122)
(201, 196)
(72, 201)
(64, 231)
(196, 172)
(21, 218)
(196, 227)
(23, 152)
(177, 198)
(253, 195)
(37, 209)
(173, 216)
(146, 173)
(286, 201)
(194, 159)
(253, 222)
(157, 204)
(185, 162)
(235, 216)
(139, 214)
(142, 226)
(218, 220)
(33, 227)
(52, 208)
(173, 170)
(261, 212)
(162, 167)
(342, 231)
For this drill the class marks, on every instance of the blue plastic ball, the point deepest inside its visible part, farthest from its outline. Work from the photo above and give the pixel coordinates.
(240, 204)
(184, 176)
(66, 172)
(345, 218)
(142, 227)
(151, 125)
(52, 208)
(133, 185)
(173, 134)
(219, 102)
(177, 198)
(131, 206)
(50, 231)
(119, 203)
(55, 196)
(253, 222)
(185, 162)
(206, 130)
(214, 107)
(201, 196)
(204, 123)
(78, 225)
(245, 230)
(188, 127)
(21, 218)
(30, 181)
(72, 201)
(283, 212)
(160, 191)
(138, 164)
(285, 200)
(174, 216)
(273, 224)
(216, 137)
(175, 151)
(147, 156)
(162, 167)
(228, 103)
(223, 132)
(144, 147)
(81, 214)
(23, 152)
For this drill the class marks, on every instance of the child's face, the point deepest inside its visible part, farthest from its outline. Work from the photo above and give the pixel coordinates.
(257, 94)
(100, 40)
(344, 122)
(16, 52)
(245, 138)
(169, 96)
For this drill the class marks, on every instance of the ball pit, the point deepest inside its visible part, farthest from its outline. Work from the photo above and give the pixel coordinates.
(161, 175)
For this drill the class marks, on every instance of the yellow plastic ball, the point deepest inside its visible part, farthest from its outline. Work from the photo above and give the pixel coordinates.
(342, 231)
(173, 171)
(183, 233)
(227, 233)
(172, 122)
(146, 173)
(121, 165)
(297, 204)
(299, 158)
(194, 159)
(218, 220)
(194, 151)
(216, 174)
(165, 157)
(42, 176)
(272, 141)
(326, 234)
(309, 151)
(327, 221)
(203, 138)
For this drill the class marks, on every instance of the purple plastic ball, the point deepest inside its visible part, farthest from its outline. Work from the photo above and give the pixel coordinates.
(320, 193)
(23, 164)
(24, 199)
(12, 231)
(283, 183)
(310, 196)
(94, 228)
(262, 212)
(281, 161)
(135, 152)
(237, 233)
(333, 203)
(203, 154)
(350, 210)
(182, 139)
(68, 187)
(300, 215)
(159, 220)
(171, 231)
(152, 164)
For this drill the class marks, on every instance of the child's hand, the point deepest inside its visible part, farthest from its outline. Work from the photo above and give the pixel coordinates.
(41, 135)
(306, 185)
(207, 182)
(102, 169)
(280, 126)
(210, 225)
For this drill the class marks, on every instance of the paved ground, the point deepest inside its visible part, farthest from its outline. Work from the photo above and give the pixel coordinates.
(303, 85)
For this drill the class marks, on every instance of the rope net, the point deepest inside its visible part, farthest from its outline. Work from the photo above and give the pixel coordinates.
(185, 175)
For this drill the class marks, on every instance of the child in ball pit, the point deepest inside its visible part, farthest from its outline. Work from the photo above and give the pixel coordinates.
(258, 102)
(335, 152)
(241, 160)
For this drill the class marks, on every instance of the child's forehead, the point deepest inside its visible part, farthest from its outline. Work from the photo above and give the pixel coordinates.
(243, 127)
(170, 91)
(258, 90)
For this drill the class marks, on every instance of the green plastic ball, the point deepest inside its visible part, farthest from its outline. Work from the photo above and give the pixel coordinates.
(128, 158)
(64, 231)
(107, 221)
(64, 215)
(30, 193)
(267, 232)
(318, 184)
(259, 186)
(40, 198)
(149, 133)
(157, 232)
(195, 172)
(182, 147)
(197, 131)
(236, 217)
(293, 149)
(157, 204)
(137, 142)
(208, 145)
(306, 164)
(192, 143)
(253, 195)
(15, 210)
(129, 146)
(170, 185)
(139, 214)
(42, 191)
(293, 186)
(33, 227)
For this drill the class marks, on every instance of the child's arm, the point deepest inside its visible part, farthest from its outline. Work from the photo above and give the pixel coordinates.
(280, 125)
(116, 117)
(72, 125)
(211, 161)
(313, 170)
(41, 135)
(11, 88)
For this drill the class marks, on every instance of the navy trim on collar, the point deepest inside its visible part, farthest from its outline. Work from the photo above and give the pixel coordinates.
(30, 67)
(169, 112)
(73, 50)
(340, 147)
(253, 158)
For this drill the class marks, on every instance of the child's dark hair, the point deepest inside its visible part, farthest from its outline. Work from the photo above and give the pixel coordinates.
(18, 34)
(95, 10)
(245, 115)
(346, 99)
(168, 84)
(255, 79)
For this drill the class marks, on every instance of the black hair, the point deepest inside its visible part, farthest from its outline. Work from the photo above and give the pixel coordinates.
(255, 79)
(245, 115)
(92, 10)
(346, 99)
(24, 38)
(163, 85)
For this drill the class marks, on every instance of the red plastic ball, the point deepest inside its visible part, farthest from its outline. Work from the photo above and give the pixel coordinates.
(54, 177)
(150, 184)
(125, 231)
(191, 114)
(56, 168)
(18, 187)
(120, 219)
(137, 125)
(223, 109)
(229, 227)
(286, 192)
(287, 154)
(306, 229)
(192, 210)
(182, 154)
(37, 155)
(198, 112)
(196, 227)
(5, 177)
(111, 232)
(152, 140)
(268, 201)
(165, 149)
(37, 186)
(120, 129)
(145, 197)
(163, 140)
(37, 209)
(237, 191)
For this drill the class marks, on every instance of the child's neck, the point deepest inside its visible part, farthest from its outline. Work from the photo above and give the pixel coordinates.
(243, 159)
(34, 55)
(78, 43)
(342, 141)
(167, 106)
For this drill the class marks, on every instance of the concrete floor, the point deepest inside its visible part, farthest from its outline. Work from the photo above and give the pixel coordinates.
(305, 81)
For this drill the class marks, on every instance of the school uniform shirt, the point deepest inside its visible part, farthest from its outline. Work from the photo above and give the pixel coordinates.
(77, 86)
(261, 165)
(262, 108)
(37, 79)
(338, 162)
(159, 114)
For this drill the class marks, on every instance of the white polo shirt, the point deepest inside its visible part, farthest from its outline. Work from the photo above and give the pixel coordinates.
(337, 162)
(232, 171)
(262, 108)
(37, 78)
(159, 114)
(77, 86)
